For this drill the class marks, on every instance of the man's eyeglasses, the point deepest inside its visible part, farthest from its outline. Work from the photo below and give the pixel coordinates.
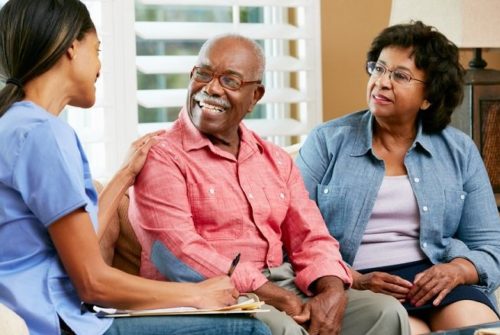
(226, 80)
(377, 70)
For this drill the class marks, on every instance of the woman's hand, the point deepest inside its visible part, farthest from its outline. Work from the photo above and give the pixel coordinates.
(381, 282)
(110, 196)
(137, 153)
(440, 279)
(215, 292)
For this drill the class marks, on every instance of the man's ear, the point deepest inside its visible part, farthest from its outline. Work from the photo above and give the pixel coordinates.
(258, 93)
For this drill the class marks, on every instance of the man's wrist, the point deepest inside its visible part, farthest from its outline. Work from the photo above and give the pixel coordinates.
(327, 283)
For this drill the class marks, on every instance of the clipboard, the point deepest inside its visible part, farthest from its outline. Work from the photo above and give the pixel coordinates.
(247, 304)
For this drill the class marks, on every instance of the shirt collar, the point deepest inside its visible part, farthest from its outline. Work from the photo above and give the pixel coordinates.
(423, 140)
(193, 139)
(364, 136)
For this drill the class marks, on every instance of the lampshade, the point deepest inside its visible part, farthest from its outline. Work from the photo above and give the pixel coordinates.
(467, 23)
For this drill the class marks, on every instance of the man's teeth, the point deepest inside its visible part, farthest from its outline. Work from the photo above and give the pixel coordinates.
(211, 107)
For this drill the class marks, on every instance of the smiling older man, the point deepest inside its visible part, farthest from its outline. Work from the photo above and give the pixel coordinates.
(211, 188)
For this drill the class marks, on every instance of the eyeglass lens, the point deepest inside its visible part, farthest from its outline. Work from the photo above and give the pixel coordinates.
(377, 70)
(229, 81)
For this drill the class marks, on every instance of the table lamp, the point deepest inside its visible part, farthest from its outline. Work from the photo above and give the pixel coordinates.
(470, 24)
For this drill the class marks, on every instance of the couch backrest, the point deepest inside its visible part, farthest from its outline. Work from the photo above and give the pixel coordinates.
(121, 248)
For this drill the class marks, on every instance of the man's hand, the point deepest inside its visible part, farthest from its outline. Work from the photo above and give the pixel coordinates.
(440, 279)
(280, 298)
(326, 310)
(381, 282)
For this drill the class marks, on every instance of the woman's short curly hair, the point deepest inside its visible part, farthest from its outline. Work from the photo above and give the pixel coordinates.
(438, 58)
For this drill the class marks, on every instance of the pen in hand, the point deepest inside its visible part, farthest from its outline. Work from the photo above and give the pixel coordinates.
(233, 265)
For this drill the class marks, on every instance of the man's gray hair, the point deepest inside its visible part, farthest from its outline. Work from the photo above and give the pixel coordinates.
(256, 48)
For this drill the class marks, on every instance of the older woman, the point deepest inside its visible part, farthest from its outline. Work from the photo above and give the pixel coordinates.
(407, 196)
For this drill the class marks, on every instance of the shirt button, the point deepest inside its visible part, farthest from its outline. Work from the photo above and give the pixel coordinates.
(425, 209)
(282, 196)
(250, 195)
(325, 191)
(424, 245)
(416, 180)
(211, 191)
(462, 196)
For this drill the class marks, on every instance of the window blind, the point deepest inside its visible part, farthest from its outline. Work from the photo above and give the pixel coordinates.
(169, 34)
(149, 47)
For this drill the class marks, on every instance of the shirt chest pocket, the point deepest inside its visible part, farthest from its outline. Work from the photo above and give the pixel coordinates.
(278, 201)
(332, 204)
(217, 214)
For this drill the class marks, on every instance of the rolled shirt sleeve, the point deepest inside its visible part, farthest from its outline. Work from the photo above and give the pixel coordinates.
(313, 252)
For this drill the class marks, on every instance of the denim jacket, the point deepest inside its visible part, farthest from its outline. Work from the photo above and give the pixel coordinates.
(458, 213)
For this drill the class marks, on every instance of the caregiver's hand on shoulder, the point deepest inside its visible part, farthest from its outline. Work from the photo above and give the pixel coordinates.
(138, 151)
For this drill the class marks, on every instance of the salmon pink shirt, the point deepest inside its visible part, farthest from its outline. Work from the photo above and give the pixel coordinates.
(195, 206)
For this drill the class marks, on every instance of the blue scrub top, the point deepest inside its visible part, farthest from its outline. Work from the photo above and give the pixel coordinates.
(44, 175)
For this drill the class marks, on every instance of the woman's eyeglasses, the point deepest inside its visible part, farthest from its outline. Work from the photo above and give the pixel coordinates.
(226, 80)
(377, 70)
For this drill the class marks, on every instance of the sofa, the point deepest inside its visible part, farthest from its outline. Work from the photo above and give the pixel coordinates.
(121, 248)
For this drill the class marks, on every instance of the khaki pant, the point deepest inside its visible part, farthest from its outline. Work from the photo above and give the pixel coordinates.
(11, 323)
(366, 313)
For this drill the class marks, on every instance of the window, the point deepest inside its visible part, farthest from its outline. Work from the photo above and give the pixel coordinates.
(169, 34)
(108, 124)
(149, 47)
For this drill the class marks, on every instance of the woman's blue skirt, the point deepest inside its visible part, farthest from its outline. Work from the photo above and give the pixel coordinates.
(408, 271)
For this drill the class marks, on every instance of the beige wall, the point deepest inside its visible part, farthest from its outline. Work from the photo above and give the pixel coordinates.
(347, 29)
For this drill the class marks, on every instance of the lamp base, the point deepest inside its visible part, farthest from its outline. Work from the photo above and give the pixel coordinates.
(477, 62)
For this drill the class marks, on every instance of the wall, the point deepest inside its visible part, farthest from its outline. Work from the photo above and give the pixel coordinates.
(347, 29)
